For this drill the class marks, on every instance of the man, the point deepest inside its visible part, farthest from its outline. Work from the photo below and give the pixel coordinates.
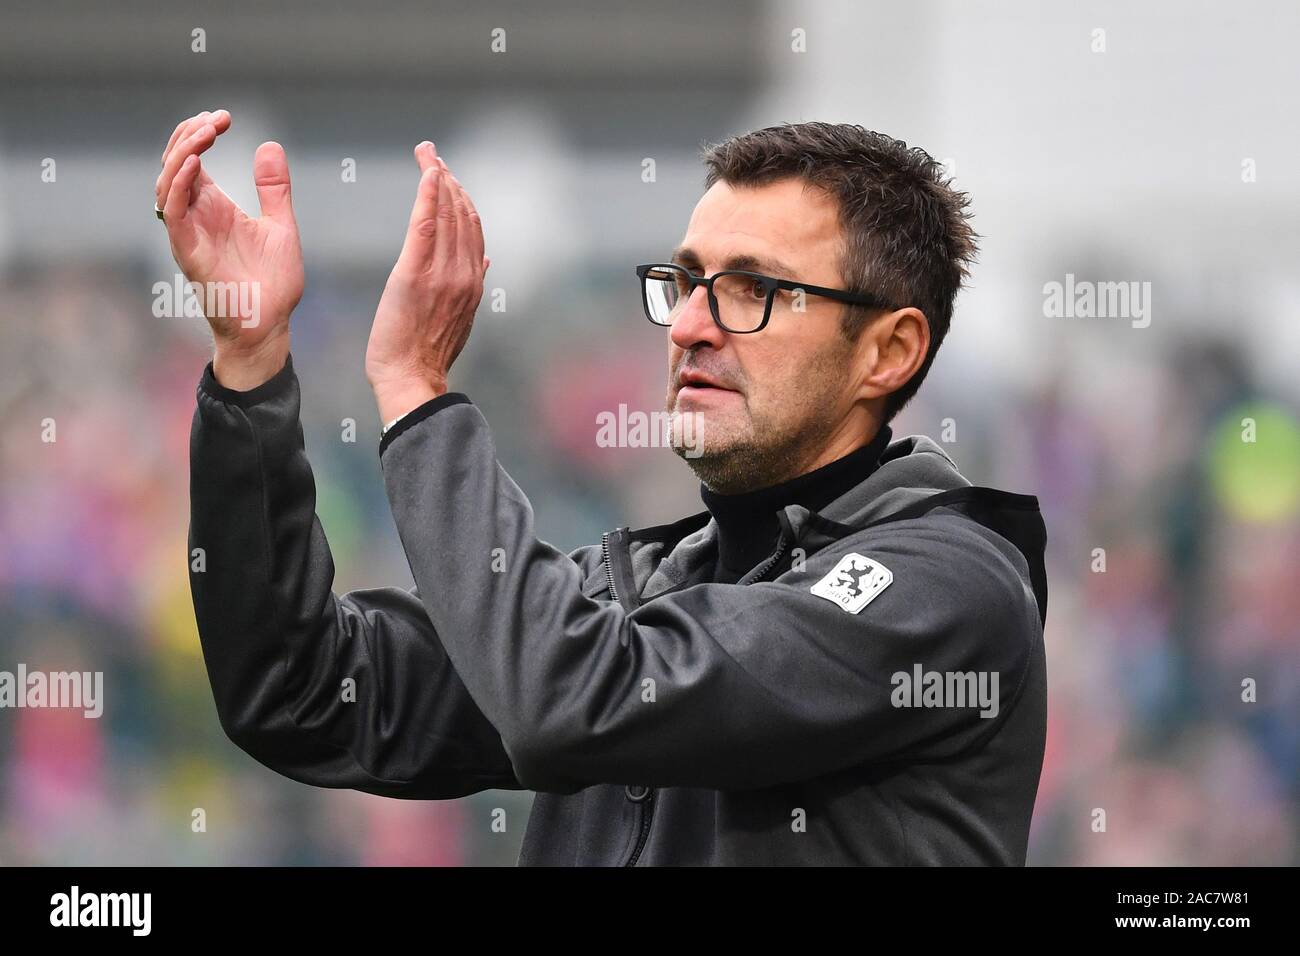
(840, 661)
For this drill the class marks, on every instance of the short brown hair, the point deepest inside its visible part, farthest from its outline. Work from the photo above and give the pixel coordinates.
(907, 231)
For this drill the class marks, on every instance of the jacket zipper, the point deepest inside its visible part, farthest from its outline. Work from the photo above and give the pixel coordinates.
(783, 540)
(761, 571)
(609, 564)
(647, 815)
(648, 802)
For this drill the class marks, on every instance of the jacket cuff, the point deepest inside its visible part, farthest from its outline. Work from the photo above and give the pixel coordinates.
(420, 413)
(274, 387)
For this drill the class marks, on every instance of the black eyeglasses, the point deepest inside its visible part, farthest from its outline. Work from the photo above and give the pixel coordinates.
(741, 302)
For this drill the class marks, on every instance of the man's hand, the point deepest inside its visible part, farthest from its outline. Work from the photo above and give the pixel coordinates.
(427, 308)
(214, 241)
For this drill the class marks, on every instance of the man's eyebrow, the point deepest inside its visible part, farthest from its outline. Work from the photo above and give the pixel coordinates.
(686, 256)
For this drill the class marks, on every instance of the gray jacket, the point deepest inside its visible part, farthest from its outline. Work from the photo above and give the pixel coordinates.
(872, 692)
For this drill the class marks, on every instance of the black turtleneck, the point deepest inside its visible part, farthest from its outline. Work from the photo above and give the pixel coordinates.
(747, 522)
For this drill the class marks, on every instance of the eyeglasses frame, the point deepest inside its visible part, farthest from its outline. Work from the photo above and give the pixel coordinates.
(770, 283)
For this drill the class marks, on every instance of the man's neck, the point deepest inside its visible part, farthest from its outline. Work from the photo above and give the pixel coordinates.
(747, 523)
(842, 442)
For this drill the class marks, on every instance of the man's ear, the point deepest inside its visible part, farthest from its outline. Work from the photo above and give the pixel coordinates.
(890, 350)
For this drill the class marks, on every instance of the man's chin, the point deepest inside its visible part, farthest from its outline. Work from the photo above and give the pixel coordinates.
(723, 453)
(720, 470)
(707, 427)
(716, 449)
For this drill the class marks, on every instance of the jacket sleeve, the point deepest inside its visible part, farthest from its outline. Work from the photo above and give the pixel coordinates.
(336, 691)
(721, 686)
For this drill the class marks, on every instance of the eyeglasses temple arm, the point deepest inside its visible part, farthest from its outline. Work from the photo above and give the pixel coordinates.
(865, 298)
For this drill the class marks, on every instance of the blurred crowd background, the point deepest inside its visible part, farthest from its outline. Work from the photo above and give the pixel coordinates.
(1168, 155)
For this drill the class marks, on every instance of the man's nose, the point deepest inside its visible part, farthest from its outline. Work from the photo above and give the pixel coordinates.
(694, 324)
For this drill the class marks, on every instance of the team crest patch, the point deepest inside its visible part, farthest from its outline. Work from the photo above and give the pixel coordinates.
(854, 582)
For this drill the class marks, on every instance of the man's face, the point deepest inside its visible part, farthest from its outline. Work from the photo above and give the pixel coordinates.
(778, 397)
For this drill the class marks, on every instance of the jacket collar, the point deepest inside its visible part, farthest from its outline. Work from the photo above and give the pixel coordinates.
(911, 469)
(915, 476)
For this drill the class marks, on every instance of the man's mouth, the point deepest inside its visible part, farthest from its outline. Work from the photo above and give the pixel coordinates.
(700, 382)
(700, 391)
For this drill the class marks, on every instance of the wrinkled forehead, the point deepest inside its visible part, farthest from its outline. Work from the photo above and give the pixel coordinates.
(786, 228)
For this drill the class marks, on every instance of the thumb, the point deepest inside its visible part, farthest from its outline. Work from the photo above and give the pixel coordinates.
(271, 176)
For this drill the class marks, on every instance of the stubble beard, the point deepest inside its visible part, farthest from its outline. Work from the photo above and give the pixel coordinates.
(749, 450)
